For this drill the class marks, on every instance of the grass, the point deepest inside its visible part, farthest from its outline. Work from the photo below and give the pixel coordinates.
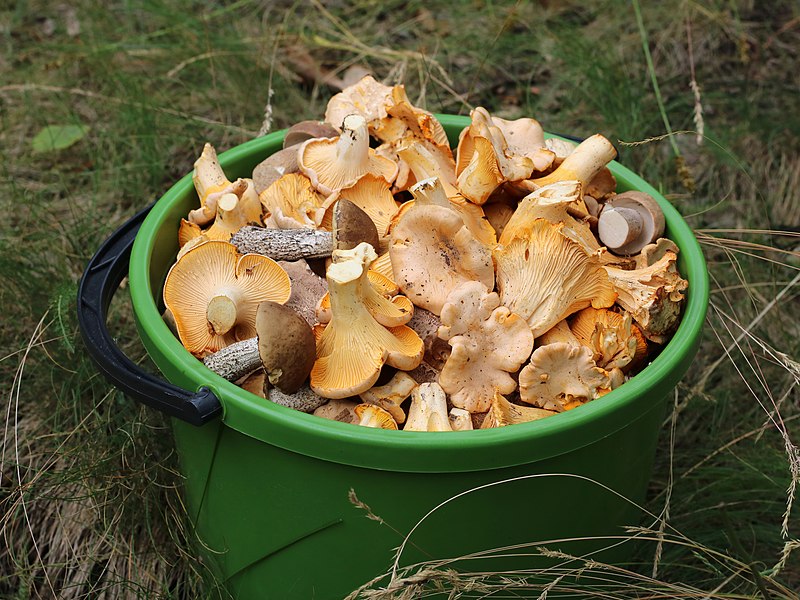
(89, 483)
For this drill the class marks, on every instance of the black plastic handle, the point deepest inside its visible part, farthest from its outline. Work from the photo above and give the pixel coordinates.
(98, 284)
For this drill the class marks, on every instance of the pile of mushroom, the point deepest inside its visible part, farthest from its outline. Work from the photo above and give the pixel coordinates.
(367, 274)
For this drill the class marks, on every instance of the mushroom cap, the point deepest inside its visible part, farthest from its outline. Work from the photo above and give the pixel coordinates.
(425, 160)
(488, 344)
(373, 195)
(432, 252)
(558, 374)
(338, 409)
(503, 412)
(351, 226)
(367, 98)
(544, 277)
(557, 202)
(208, 178)
(293, 203)
(335, 163)
(306, 130)
(235, 209)
(612, 337)
(214, 269)
(286, 346)
(525, 138)
(460, 419)
(484, 160)
(653, 295)
(370, 415)
(430, 191)
(482, 174)
(391, 395)
(404, 120)
(275, 166)
(354, 346)
(561, 148)
(560, 332)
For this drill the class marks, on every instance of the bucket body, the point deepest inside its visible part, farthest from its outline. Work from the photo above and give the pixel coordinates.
(279, 498)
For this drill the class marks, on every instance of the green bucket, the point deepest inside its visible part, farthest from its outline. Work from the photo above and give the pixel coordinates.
(272, 492)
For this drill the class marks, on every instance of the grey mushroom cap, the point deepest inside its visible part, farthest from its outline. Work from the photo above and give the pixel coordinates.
(275, 166)
(286, 345)
(306, 130)
(351, 226)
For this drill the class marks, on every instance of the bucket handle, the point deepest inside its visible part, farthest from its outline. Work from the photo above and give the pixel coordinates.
(98, 285)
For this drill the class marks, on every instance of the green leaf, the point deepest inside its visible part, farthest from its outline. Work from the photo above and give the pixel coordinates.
(58, 137)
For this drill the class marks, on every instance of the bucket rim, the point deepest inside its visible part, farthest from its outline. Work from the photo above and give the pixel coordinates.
(421, 451)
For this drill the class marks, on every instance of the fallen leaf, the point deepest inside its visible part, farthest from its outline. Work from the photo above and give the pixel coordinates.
(58, 137)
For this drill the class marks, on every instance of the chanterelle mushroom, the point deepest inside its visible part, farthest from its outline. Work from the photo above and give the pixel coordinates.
(370, 415)
(208, 179)
(489, 343)
(379, 293)
(544, 277)
(354, 346)
(559, 374)
(428, 410)
(213, 294)
(293, 203)
(367, 98)
(558, 202)
(235, 207)
(504, 413)
(484, 161)
(432, 252)
(612, 337)
(391, 395)
(654, 295)
(335, 163)
(583, 163)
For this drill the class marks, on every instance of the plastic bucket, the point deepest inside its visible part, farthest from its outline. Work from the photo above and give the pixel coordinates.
(270, 489)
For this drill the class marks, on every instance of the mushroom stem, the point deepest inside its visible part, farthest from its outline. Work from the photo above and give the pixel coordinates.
(235, 361)
(353, 145)
(284, 244)
(582, 164)
(619, 226)
(221, 313)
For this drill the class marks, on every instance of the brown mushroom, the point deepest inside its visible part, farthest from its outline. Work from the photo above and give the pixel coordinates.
(275, 166)
(629, 221)
(306, 130)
